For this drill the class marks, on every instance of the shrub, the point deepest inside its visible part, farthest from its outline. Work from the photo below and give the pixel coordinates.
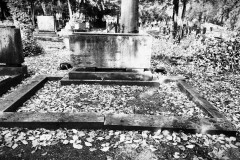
(31, 48)
(221, 55)
(22, 20)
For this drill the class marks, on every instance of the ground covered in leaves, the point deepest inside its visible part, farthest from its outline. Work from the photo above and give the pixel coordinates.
(112, 144)
(217, 83)
(164, 100)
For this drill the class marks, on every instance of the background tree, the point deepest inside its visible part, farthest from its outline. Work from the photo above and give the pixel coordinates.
(4, 11)
(22, 19)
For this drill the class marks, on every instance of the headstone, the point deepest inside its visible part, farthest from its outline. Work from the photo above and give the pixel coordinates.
(11, 52)
(46, 23)
(110, 50)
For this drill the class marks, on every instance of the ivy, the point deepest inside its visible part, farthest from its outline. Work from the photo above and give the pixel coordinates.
(221, 55)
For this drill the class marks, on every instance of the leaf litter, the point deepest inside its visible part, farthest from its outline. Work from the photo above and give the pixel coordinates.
(165, 100)
(99, 140)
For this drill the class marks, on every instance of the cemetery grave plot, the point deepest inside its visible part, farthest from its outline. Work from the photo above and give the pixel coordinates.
(163, 100)
(215, 122)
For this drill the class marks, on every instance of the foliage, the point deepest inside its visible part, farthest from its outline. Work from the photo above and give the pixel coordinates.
(22, 20)
(207, 54)
(223, 12)
(153, 10)
(223, 56)
(31, 48)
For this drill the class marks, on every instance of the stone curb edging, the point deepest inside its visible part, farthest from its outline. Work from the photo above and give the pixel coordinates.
(114, 121)
(200, 101)
(8, 116)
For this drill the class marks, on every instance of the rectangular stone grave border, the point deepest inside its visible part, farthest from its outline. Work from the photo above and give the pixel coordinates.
(10, 118)
(9, 82)
(9, 70)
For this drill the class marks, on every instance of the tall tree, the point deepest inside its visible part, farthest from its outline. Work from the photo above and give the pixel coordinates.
(175, 17)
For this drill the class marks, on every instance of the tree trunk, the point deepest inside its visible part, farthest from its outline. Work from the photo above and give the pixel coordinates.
(33, 13)
(70, 10)
(175, 17)
(183, 18)
(129, 16)
(44, 8)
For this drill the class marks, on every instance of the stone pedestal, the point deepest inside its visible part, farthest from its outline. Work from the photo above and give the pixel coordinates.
(110, 50)
(106, 59)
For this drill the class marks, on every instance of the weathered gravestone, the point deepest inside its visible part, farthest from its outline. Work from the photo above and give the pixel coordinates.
(110, 56)
(46, 28)
(119, 56)
(110, 50)
(46, 23)
(11, 52)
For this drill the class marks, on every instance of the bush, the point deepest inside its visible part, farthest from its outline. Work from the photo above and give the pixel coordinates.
(221, 55)
(31, 48)
(22, 20)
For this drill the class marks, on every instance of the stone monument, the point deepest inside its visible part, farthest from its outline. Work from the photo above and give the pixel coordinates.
(115, 58)
(46, 23)
(11, 51)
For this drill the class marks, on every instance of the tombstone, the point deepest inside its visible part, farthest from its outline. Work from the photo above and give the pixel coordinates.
(211, 29)
(46, 28)
(110, 50)
(46, 23)
(11, 51)
(111, 57)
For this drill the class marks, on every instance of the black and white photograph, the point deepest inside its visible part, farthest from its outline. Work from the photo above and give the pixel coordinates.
(119, 79)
